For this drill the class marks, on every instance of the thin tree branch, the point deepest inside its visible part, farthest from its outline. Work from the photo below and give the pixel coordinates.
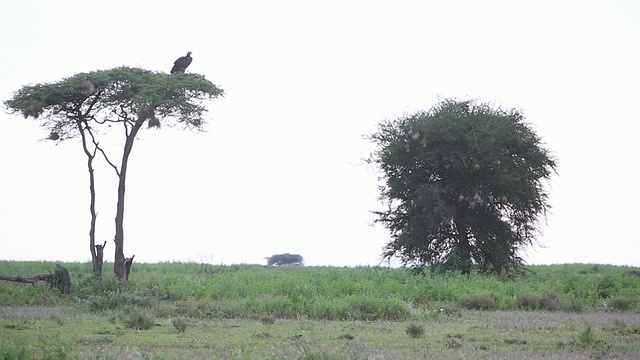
(96, 144)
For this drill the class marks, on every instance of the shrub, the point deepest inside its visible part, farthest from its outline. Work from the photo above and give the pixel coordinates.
(529, 301)
(180, 324)
(573, 305)
(267, 320)
(606, 287)
(414, 330)
(622, 303)
(116, 300)
(139, 320)
(550, 301)
(368, 308)
(480, 301)
(10, 352)
(586, 337)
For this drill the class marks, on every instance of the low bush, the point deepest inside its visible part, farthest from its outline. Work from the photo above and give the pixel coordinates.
(139, 320)
(484, 300)
(414, 330)
(529, 301)
(622, 303)
(180, 324)
(550, 301)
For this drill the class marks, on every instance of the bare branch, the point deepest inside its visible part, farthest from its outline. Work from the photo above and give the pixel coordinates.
(96, 144)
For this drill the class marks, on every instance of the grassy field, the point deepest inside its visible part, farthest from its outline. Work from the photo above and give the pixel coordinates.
(188, 310)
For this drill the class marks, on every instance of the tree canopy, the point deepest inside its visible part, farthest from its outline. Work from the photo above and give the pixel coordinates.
(114, 95)
(285, 259)
(463, 186)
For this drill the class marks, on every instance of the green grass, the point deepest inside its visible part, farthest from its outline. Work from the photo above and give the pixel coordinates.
(185, 310)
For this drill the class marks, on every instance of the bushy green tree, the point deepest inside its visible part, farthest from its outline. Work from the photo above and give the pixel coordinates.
(285, 259)
(90, 104)
(463, 186)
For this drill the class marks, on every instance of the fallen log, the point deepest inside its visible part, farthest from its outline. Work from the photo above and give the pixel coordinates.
(59, 279)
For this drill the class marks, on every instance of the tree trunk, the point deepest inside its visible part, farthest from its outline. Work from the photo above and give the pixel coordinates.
(464, 248)
(119, 261)
(95, 259)
(97, 262)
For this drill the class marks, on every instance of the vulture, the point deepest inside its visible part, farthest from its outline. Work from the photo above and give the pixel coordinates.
(180, 65)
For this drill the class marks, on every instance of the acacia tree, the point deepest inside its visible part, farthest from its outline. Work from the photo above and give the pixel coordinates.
(90, 104)
(285, 259)
(463, 187)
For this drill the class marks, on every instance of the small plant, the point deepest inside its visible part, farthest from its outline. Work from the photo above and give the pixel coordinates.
(453, 344)
(414, 330)
(180, 325)
(263, 335)
(586, 337)
(267, 320)
(139, 320)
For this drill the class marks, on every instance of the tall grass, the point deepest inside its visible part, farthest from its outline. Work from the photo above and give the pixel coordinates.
(361, 293)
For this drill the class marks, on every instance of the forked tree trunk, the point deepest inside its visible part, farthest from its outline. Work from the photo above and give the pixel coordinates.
(95, 259)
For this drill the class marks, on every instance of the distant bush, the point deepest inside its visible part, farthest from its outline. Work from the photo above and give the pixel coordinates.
(529, 301)
(285, 259)
(606, 287)
(180, 324)
(414, 330)
(622, 303)
(550, 301)
(139, 320)
(572, 305)
(484, 300)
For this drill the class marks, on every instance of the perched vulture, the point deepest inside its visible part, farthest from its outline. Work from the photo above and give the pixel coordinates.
(180, 65)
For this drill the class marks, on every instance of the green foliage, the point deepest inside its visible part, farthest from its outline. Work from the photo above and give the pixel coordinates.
(14, 352)
(586, 337)
(285, 259)
(172, 290)
(529, 301)
(373, 305)
(484, 300)
(267, 320)
(139, 320)
(414, 330)
(623, 303)
(126, 90)
(462, 185)
(180, 324)
(550, 301)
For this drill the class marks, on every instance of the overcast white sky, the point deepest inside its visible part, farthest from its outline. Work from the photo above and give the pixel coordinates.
(280, 168)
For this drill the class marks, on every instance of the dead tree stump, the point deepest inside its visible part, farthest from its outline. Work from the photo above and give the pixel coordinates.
(65, 279)
(127, 267)
(97, 265)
